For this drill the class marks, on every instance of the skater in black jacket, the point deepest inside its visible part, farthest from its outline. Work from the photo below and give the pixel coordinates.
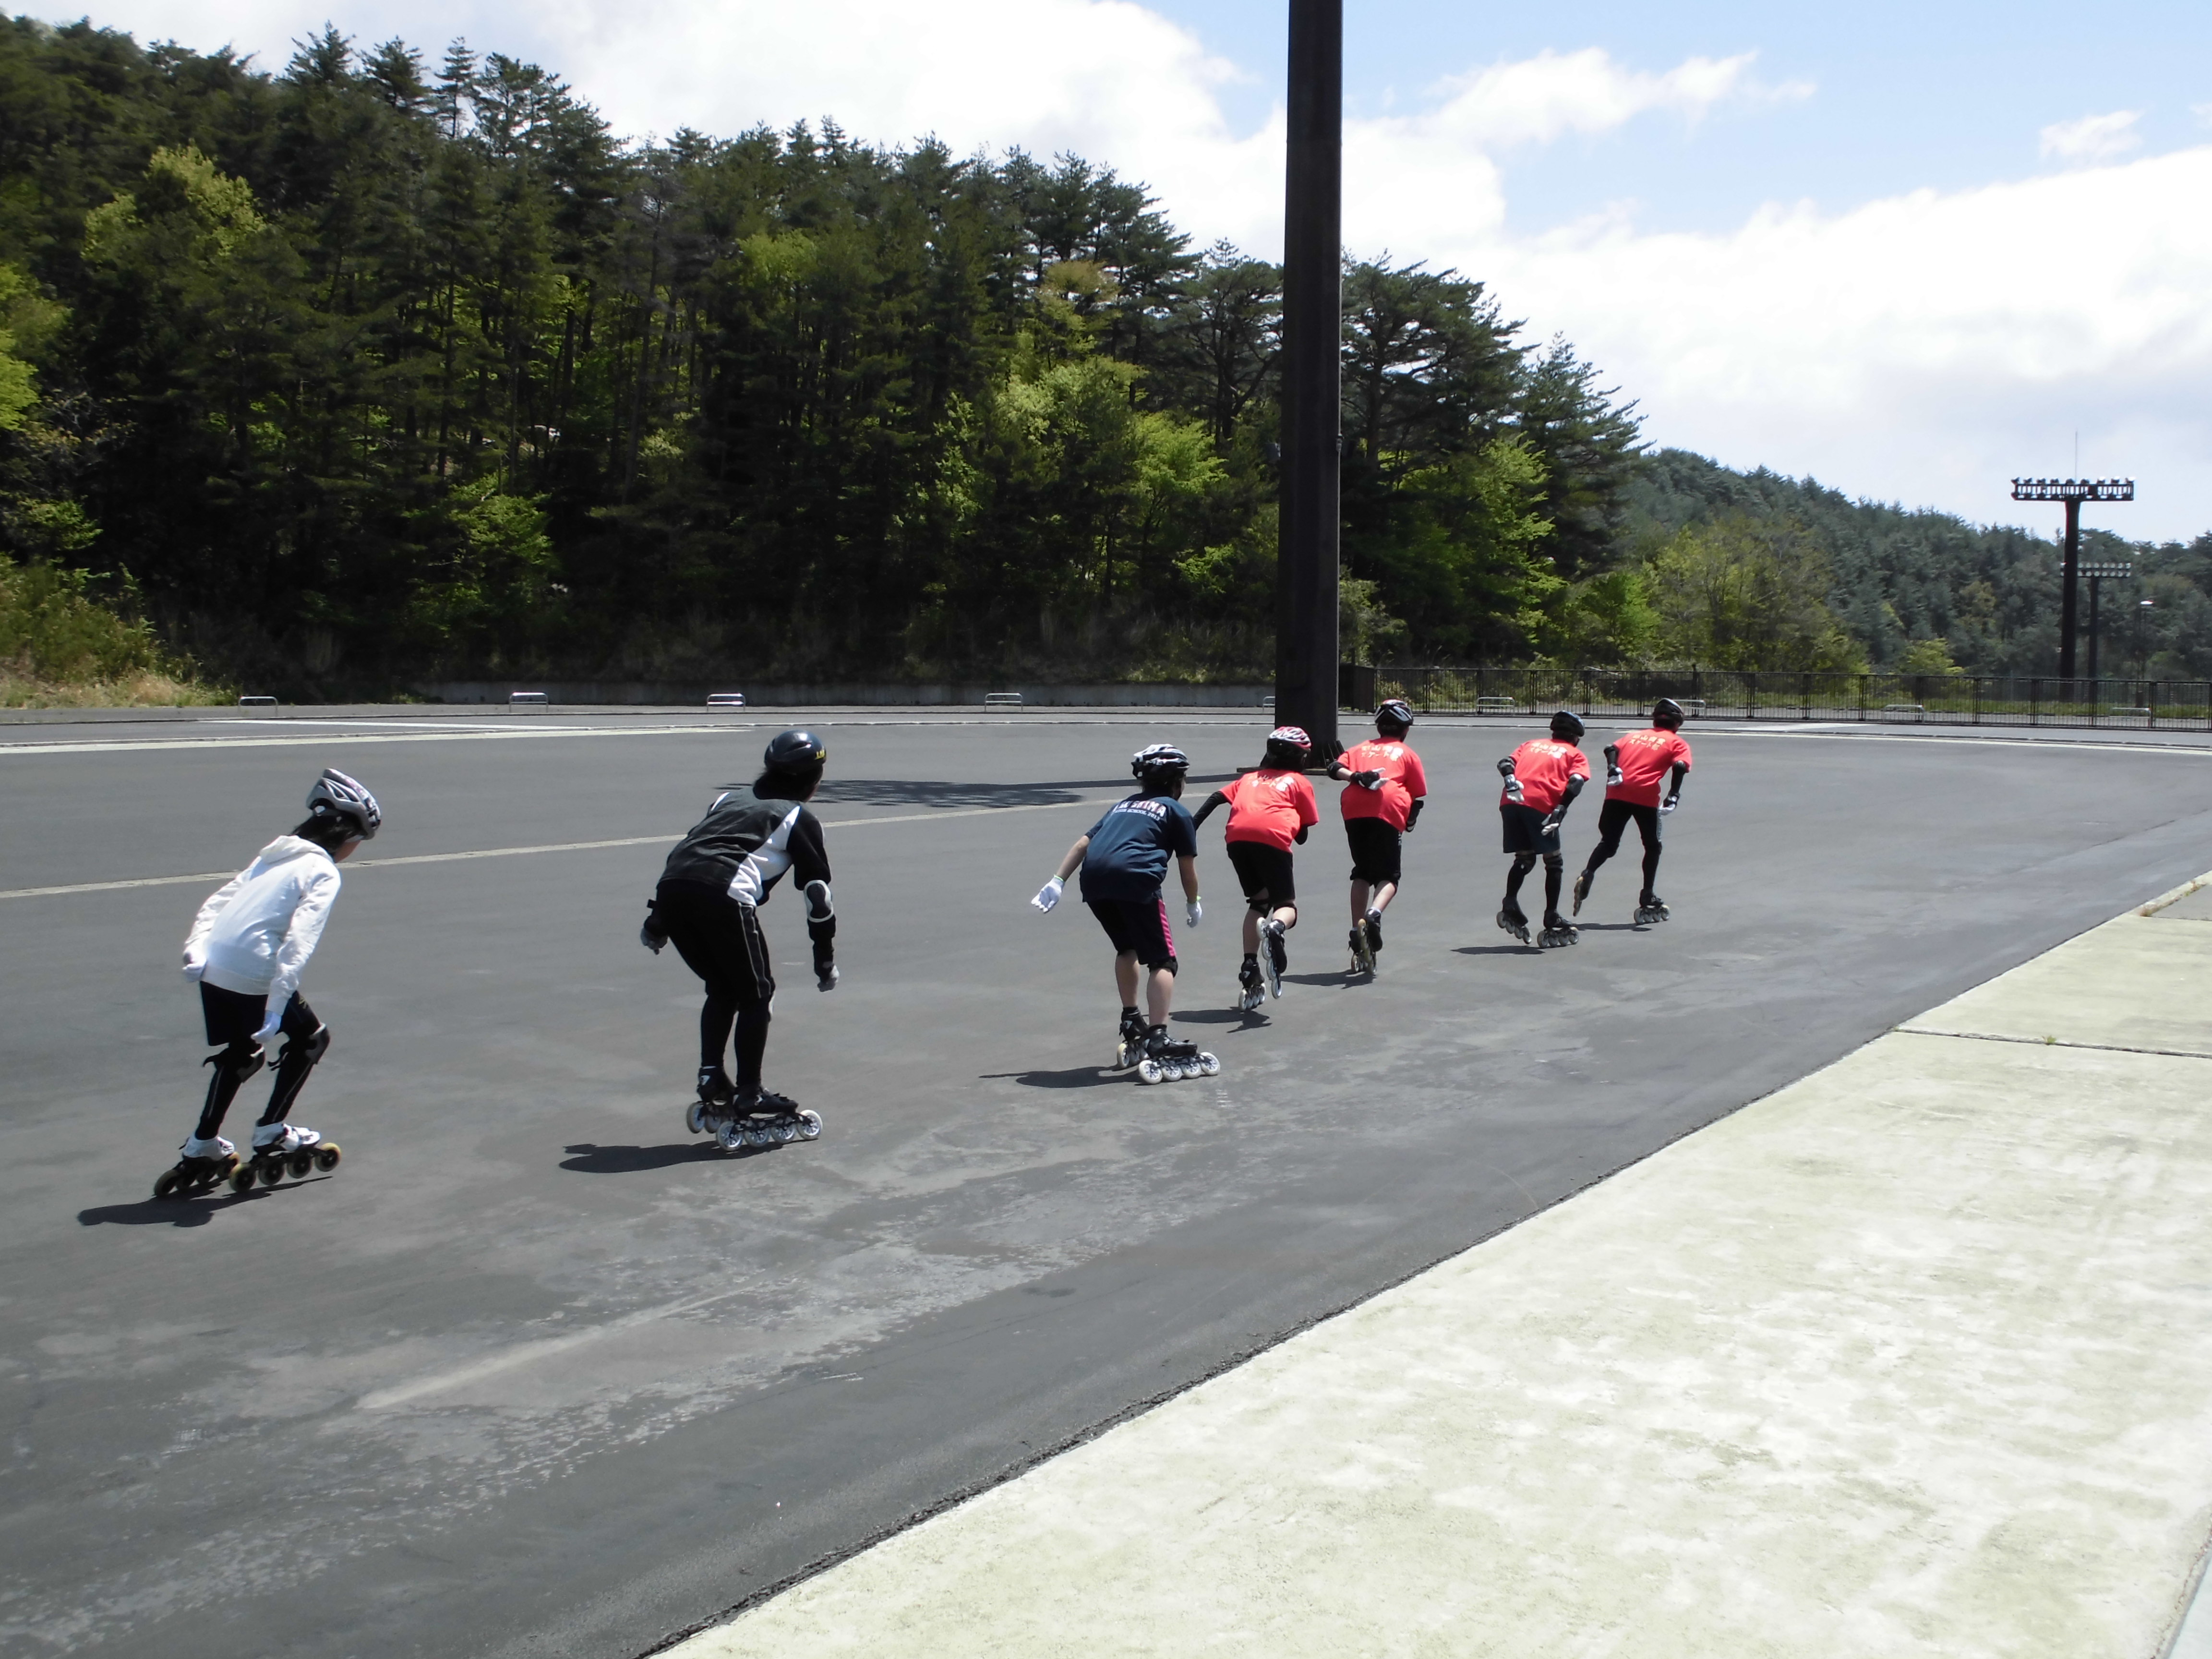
(708, 906)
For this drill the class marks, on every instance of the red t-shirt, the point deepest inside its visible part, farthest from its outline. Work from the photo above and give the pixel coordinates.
(1646, 759)
(1270, 806)
(1544, 765)
(1403, 781)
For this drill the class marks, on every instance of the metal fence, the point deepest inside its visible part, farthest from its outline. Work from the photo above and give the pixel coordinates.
(1715, 694)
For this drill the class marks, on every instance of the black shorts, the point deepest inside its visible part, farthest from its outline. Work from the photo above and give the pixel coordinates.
(1614, 815)
(1265, 872)
(1524, 829)
(1137, 925)
(234, 1017)
(719, 939)
(1376, 850)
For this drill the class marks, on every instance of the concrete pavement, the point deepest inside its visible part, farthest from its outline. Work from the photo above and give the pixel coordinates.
(1910, 1357)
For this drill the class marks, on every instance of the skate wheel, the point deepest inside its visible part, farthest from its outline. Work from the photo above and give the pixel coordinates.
(729, 1137)
(302, 1163)
(272, 1172)
(1150, 1070)
(695, 1116)
(810, 1126)
(1210, 1064)
(242, 1179)
(786, 1132)
(168, 1184)
(326, 1157)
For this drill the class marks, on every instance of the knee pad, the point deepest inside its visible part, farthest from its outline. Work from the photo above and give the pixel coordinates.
(1169, 965)
(1259, 906)
(307, 1052)
(238, 1062)
(1523, 863)
(1554, 860)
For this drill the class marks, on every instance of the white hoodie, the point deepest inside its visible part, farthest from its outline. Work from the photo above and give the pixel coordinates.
(254, 935)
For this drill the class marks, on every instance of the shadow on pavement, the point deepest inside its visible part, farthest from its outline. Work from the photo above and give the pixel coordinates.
(1078, 1076)
(899, 792)
(1338, 978)
(194, 1211)
(1529, 950)
(585, 1158)
(1221, 1017)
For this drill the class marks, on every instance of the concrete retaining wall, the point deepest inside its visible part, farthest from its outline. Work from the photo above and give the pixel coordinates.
(668, 695)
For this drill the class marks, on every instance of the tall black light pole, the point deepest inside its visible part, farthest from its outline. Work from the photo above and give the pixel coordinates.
(1313, 239)
(2073, 492)
(2098, 572)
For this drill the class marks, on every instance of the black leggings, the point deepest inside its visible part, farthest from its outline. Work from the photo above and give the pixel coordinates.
(1612, 819)
(720, 940)
(1554, 869)
(232, 1020)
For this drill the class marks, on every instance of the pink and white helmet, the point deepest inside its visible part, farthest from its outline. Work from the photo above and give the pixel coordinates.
(1291, 737)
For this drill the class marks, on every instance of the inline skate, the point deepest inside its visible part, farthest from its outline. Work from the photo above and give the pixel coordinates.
(1252, 990)
(1581, 891)
(761, 1117)
(1274, 953)
(1363, 959)
(1515, 920)
(1130, 1042)
(282, 1149)
(1169, 1059)
(1558, 931)
(201, 1165)
(1651, 908)
(1373, 928)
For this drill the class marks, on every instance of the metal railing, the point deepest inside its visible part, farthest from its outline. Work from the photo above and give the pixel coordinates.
(1720, 694)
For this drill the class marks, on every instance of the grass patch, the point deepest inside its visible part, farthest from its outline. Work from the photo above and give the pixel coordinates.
(63, 647)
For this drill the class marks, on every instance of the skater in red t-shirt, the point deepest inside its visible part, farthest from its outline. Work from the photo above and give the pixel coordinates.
(1380, 810)
(1542, 779)
(1633, 768)
(1270, 809)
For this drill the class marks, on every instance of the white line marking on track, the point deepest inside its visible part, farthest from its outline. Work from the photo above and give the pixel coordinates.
(518, 851)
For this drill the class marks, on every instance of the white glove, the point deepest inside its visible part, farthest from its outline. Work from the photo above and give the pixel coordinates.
(269, 1028)
(194, 969)
(1048, 895)
(1670, 803)
(1193, 912)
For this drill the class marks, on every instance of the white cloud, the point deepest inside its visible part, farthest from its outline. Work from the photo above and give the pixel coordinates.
(2092, 138)
(1543, 98)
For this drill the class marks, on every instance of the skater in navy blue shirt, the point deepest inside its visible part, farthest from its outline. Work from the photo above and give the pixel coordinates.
(1124, 860)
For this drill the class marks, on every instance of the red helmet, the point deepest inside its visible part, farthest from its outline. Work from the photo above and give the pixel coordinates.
(1291, 737)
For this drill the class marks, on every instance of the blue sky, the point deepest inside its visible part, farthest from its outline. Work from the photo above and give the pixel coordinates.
(1910, 250)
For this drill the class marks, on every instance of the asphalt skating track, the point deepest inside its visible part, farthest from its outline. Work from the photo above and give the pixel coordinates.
(536, 1372)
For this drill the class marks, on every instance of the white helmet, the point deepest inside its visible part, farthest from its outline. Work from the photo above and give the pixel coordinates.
(335, 793)
(1158, 758)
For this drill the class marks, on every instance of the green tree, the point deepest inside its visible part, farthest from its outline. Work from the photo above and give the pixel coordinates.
(1749, 593)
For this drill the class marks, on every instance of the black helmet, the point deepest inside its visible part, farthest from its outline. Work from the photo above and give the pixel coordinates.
(797, 751)
(1394, 711)
(1158, 760)
(1666, 713)
(1567, 726)
(335, 795)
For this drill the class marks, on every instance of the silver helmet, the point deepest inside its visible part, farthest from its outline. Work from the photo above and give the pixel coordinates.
(335, 793)
(1158, 758)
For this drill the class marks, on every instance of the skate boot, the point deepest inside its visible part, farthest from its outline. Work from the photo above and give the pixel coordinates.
(1167, 1059)
(1651, 908)
(1131, 1040)
(1581, 891)
(1374, 927)
(1514, 921)
(1363, 959)
(702, 1115)
(761, 1117)
(1274, 953)
(1558, 931)
(200, 1164)
(1252, 990)
(282, 1149)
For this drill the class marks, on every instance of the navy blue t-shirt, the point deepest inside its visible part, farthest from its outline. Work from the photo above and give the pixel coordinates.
(1128, 858)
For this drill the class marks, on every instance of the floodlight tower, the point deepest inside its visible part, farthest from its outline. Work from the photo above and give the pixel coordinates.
(1313, 242)
(2073, 492)
(2098, 572)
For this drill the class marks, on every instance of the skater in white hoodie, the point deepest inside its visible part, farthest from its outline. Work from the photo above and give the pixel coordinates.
(246, 950)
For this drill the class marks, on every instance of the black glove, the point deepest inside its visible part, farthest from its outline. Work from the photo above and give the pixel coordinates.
(1552, 820)
(653, 935)
(1368, 780)
(1300, 838)
(825, 975)
(1413, 812)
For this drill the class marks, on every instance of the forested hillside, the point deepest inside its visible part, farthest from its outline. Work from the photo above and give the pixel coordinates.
(372, 370)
